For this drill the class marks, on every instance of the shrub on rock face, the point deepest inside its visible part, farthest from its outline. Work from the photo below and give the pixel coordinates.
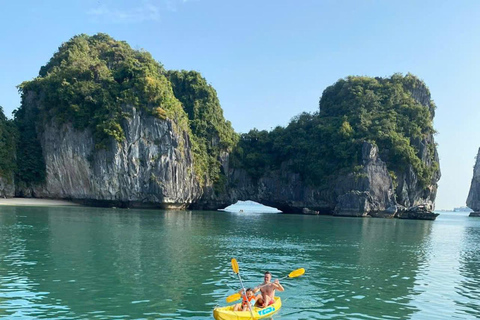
(159, 113)
(200, 102)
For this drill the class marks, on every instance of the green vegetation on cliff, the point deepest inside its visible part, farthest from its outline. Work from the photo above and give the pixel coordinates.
(321, 145)
(94, 81)
(31, 166)
(8, 136)
(213, 133)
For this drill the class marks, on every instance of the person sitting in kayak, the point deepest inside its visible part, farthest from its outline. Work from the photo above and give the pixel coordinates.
(249, 299)
(267, 289)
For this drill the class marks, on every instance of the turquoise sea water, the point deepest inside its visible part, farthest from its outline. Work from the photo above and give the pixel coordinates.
(90, 263)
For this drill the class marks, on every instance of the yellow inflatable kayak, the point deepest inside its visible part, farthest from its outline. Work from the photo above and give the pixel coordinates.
(227, 313)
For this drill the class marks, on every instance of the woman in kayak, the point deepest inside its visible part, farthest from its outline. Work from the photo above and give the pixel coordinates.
(249, 299)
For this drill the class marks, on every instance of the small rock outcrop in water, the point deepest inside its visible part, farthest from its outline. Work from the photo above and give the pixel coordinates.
(420, 212)
(473, 200)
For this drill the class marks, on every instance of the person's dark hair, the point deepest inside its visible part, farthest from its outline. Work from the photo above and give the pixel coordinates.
(268, 272)
(249, 289)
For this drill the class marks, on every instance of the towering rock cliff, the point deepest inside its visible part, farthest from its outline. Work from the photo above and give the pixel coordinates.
(101, 124)
(473, 200)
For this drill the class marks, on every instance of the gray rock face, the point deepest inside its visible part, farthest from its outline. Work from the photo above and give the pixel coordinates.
(281, 189)
(409, 192)
(153, 166)
(473, 199)
(369, 191)
(7, 187)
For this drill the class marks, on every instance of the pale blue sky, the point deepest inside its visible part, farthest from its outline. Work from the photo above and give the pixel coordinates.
(271, 60)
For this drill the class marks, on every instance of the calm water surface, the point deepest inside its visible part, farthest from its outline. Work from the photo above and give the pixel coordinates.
(88, 263)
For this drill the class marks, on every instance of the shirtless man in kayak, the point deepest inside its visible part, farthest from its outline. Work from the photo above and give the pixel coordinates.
(267, 288)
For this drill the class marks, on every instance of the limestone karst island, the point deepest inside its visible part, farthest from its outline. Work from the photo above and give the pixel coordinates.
(106, 125)
(473, 200)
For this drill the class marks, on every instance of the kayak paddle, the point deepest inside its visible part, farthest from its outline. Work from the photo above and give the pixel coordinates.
(237, 271)
(293, 274)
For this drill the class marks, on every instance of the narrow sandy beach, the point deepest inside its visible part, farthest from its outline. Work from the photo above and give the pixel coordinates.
(35, 202)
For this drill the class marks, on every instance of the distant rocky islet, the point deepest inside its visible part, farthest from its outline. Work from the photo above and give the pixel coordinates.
(473, 200)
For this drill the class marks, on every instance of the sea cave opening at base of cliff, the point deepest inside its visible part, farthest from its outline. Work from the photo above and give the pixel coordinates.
(250, 206)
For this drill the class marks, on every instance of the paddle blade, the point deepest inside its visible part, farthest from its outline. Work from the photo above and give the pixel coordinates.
(296, 273)
(233, 297)
(235, 265)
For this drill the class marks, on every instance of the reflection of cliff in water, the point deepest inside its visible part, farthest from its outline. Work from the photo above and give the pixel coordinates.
(98, 259)
(375, 265)
(19, 288)
(10, 249)
(383, 271)
(469, 288)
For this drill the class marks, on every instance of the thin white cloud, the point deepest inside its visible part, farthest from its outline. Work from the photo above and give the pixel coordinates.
(172, 5)
(146, 10)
